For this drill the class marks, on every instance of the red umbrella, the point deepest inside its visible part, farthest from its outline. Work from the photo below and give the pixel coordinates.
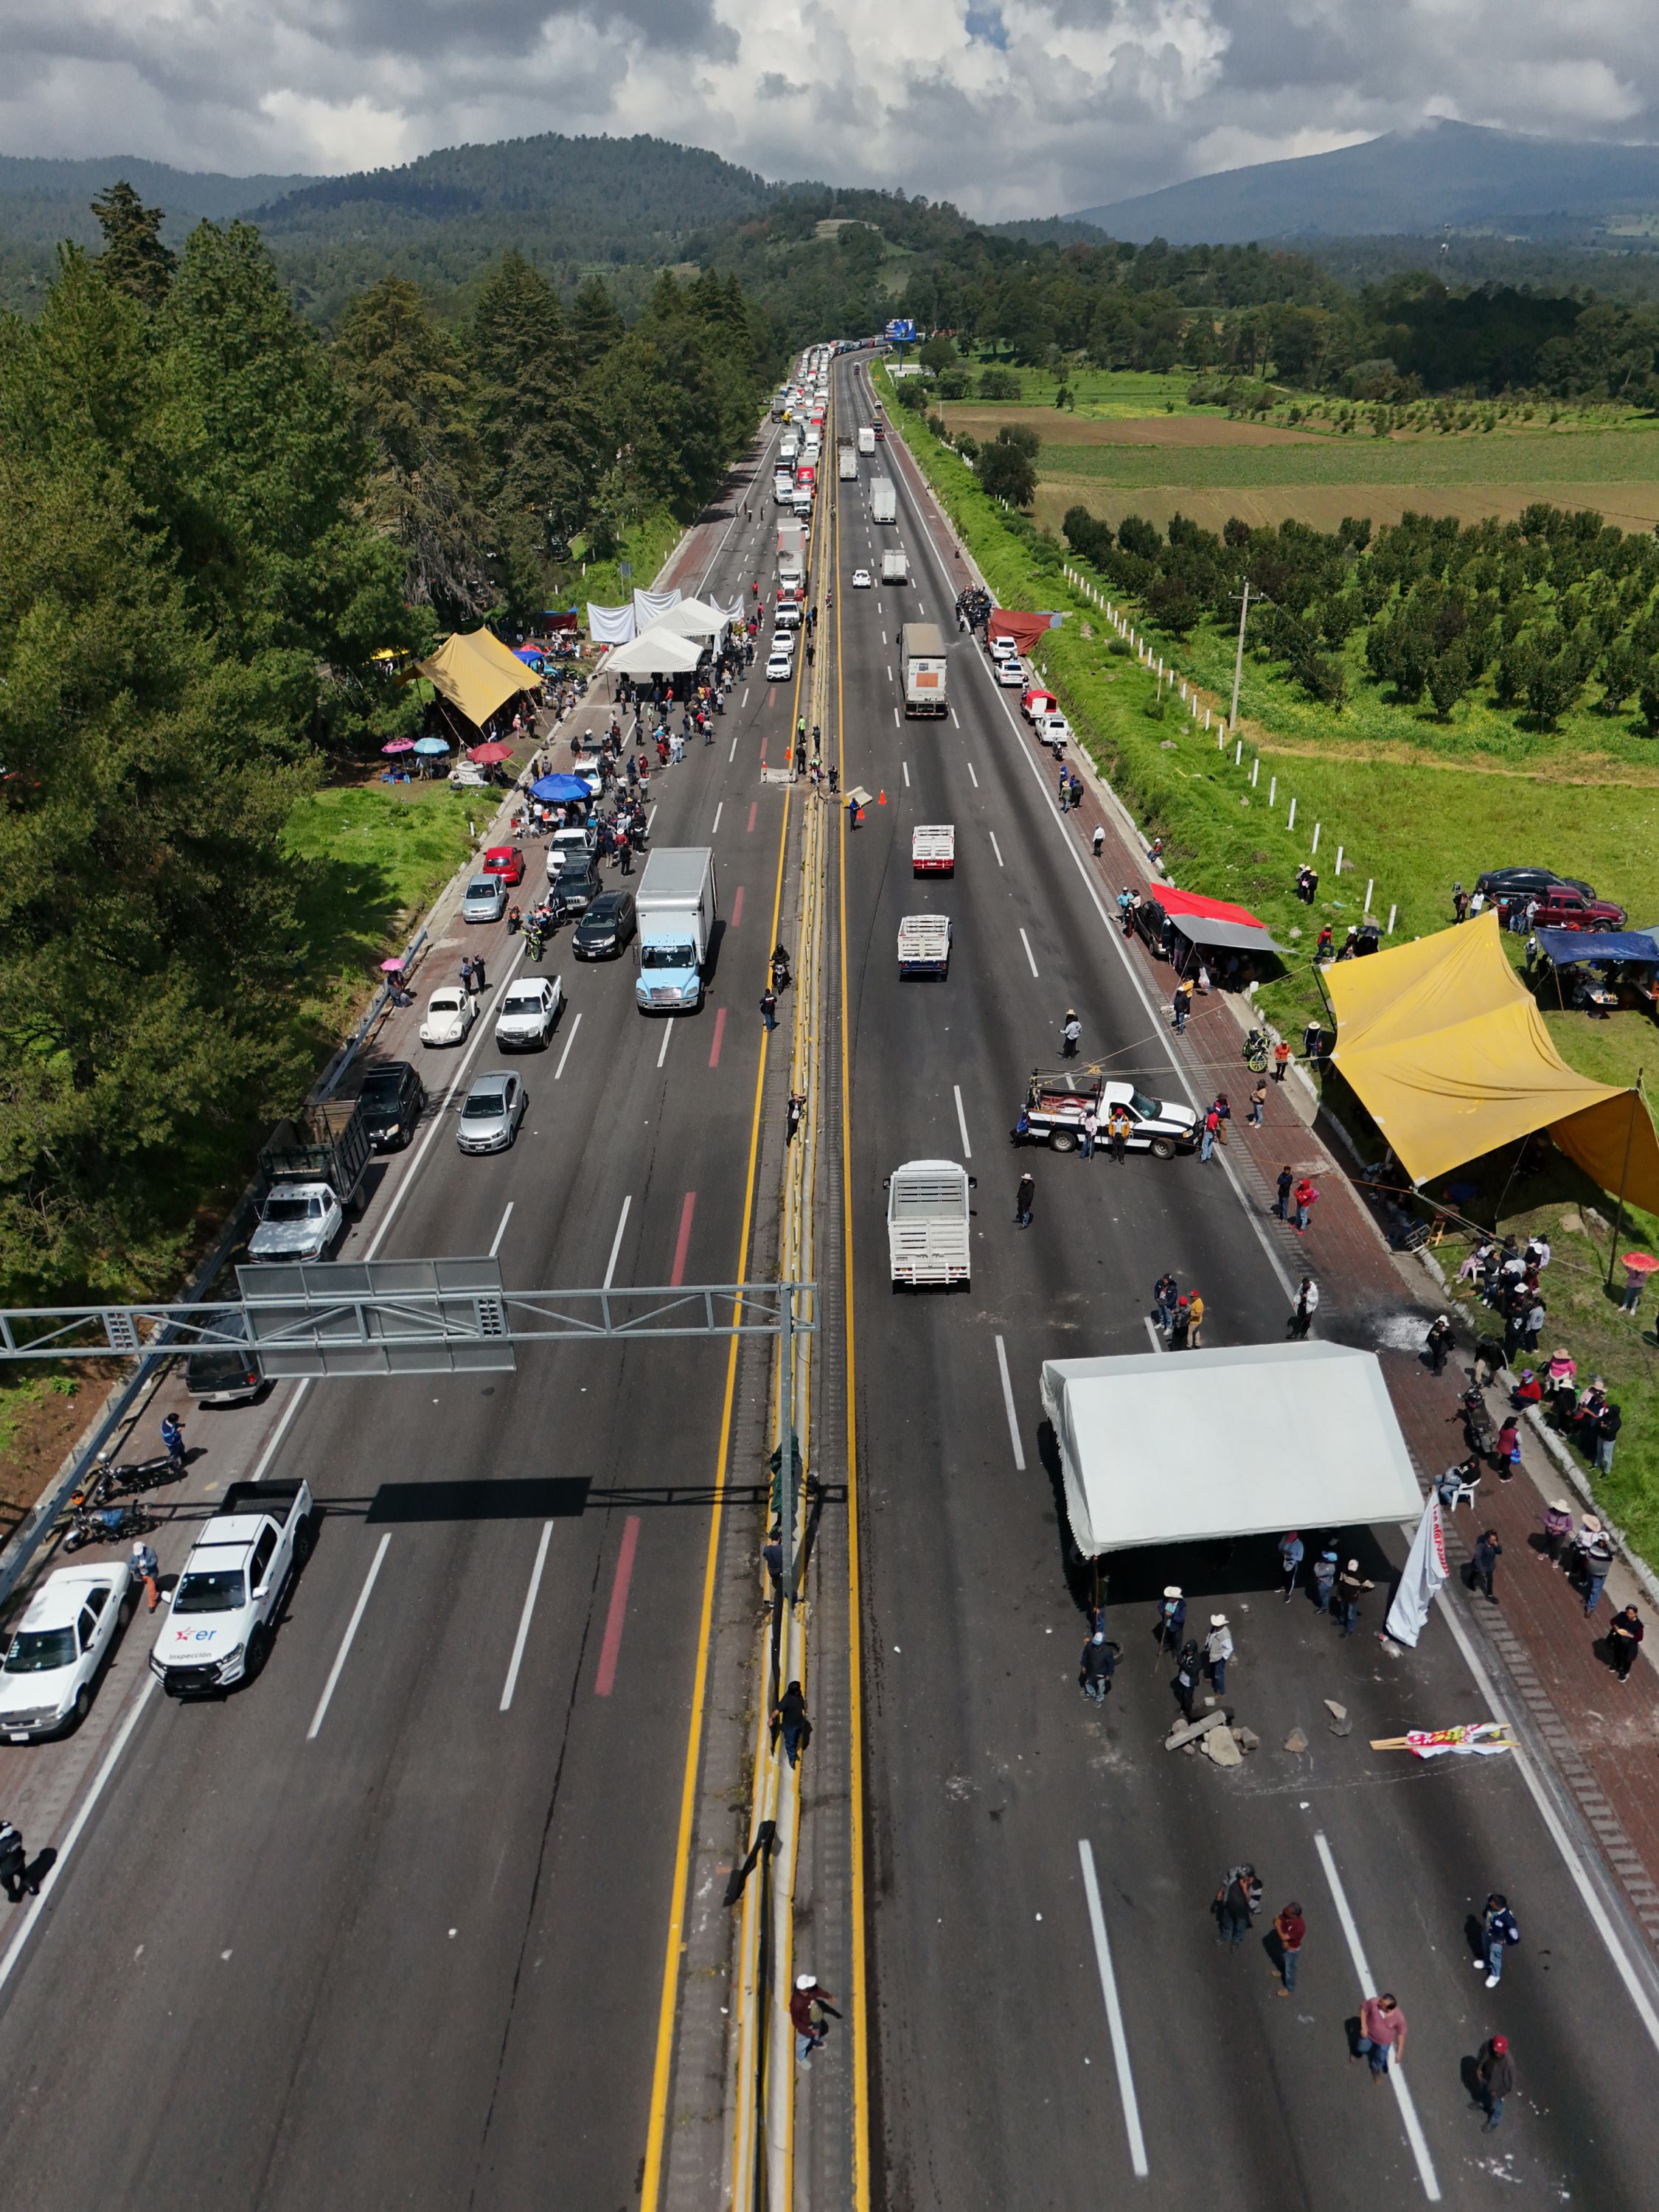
(399, 745)
(1639, 1263)
(486, 755)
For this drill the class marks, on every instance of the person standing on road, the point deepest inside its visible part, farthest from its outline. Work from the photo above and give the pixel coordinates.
(1484, 1565)
(1217, 1650)
(1439, 1343)
(1023, 1199)
(1292, 1552)
(1099, 838)
(1286, 1181)
(809, 2002)
(1117, 1133)
(1281, 1060)
(1165, 1290)
(173, 1441)
(1241, 1897)
(145, 1567)
(1595, 1555)
(1098, 1664)
(1324, 1579)
(1070, 1030)
(1258, 1102)
(1181, 1322)
(1187, 1676)
(789, 1718)
(1625, 1640)
(479, 981)
(1306, 1198)
(1498, 1929)
(1350, 1587)
(769, 1006)
(1206, 1143)
(1195, 1322)
(1495, 2071)
(14, 1866)
(1171, 1615)
(1179, 1002)
(1090, 1124)
(1307, 1304)
(1291, 1929)
(1558, 1530)
(1382, 2034)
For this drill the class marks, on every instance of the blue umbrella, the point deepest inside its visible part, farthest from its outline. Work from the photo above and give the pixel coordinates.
(561, 787)
(432, 745)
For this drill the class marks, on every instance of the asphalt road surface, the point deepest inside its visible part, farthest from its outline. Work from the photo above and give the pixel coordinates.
(997, 2081)
(401, 1942)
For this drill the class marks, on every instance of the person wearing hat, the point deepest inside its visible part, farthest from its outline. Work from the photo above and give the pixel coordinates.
(145, 1567)
(1171, 1615)
(1099, 1662)
(1495, 2071)
(1324, 1579)
(1181, 1325)
(1557, 1527)
(1292, 1552)
(808, 2003)
(1595, 1557)
(1439, 1343)
(1217, 1650)
(1350, 1586)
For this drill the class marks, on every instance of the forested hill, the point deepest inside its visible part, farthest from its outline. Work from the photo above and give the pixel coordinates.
(41, 201)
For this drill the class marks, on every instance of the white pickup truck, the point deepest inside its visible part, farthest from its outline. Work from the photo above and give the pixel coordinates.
(529, 1012)
(222, 1614)
(927, 1222)
(924, 945)
(933, 848)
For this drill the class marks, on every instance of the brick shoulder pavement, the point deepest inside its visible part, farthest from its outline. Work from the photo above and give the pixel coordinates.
(1600, 1734)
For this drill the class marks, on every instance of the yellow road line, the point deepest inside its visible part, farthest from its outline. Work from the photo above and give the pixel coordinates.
(855, 1649)
(651, 2181)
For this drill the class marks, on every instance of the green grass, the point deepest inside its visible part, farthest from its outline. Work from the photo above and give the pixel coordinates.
(1101, 394)
(1415, 825)
(1540, 459)
(647, 544)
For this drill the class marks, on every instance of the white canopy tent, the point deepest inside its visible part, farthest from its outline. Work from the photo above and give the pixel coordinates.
(692, 618)
(656, 652)
(1244, 1440)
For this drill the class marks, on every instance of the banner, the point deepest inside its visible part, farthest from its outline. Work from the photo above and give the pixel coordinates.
(1485, 1739)
(1024, 629)
(1425, 1571)
(610, 625)
(648, 606)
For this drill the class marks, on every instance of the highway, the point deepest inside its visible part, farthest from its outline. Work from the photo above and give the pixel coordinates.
(997, 2080)
(388, 1927)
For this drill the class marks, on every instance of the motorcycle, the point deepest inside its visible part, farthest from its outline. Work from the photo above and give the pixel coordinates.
(1477, 1422)
(1255, 1052)
(133, 1480)
(90, 1524)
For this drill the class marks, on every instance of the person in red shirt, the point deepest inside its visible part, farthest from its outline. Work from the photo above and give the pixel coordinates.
(807, 2001)
(1381, 2031)
(1289, 1927)
(1306, 1197)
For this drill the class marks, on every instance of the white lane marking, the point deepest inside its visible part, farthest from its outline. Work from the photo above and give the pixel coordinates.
(352, 1626)
(884, 639)
(576, 1025)
(1026, 942)
(1152, 1331)
(652, 816)
(616, 1241)
(953, 717)
(889, 667)
(1605, 1928)
(896, 719)
(667, 1032)
(744, 702)
(522, 1637)
(719, 810)
(970, 771)
(1125, 2083)
(1368, 1988)
(962, 1123)
(501, 1231)
(419, 1161)
(1008, 1402)
(905, 765)
(732, 755)
(50, 1879)
(996, 849)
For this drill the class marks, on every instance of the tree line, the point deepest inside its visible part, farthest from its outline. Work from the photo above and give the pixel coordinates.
(1541, 608)
(213, 525)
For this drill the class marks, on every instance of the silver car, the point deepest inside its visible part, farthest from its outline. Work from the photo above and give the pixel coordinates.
(485, 899)
(495, 1107)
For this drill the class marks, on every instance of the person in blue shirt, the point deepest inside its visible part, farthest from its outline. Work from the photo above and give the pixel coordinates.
(1498, 1929)
(173, 1440)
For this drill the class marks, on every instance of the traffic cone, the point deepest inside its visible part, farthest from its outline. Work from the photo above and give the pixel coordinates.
(882, 801)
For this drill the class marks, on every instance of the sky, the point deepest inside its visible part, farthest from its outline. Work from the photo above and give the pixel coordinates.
(1008, 107)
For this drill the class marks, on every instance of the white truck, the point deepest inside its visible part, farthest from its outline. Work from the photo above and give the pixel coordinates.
(924, 945)
(866, 438)
(315, 1167)
(792, 540)
(927, 1222)
(783, 487)
(529, 1012)
(884, 499)
(895, 567)
(223, 1612)
(676, 905)
(847, 461)
(933, 848)
(921, 669)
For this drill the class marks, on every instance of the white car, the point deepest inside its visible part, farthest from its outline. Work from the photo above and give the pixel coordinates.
(780, 668)
(450, 1014)
(1003, 649)
(1010, 675)
(788, 615)
(860, 579)
(48, 1676)
(1051, 729)
(529, 1012)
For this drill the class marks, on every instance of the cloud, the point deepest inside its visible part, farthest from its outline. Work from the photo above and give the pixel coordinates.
(1006, 106)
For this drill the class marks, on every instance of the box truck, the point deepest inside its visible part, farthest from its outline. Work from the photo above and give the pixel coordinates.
(921, 669)
(866, 438)
(676, 905)
(884, 499)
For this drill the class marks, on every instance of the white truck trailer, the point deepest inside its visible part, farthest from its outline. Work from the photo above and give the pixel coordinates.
(921, 669)
(866, 438)
(933, 848)
(884, 499)
(927, 1222)
(924, 945)
(895, 567)
(677, 905)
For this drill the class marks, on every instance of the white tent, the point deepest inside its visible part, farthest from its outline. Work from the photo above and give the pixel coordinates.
(656, 652)
(610, 625)
(1163, 1448)
(692, 618)
(648, 606)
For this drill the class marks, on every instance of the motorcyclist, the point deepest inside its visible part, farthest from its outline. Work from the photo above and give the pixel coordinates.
(779, 966)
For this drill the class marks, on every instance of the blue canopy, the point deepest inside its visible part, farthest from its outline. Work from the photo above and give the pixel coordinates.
(531, 657)
(561, 787)
(1572, 948)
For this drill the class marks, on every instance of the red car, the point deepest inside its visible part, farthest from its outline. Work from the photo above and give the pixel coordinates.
(1561, 906)
(505, 861)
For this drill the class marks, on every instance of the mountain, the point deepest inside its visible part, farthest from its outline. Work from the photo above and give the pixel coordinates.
(1455, 173)
(41, 201)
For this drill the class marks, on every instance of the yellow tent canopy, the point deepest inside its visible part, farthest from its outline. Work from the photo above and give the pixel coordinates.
(1443, 1044)
(476, 672)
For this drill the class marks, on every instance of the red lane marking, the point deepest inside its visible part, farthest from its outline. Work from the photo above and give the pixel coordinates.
(737, 907)
(719, 1031)
(753, 805)
(678, 1275)
(618, 1613)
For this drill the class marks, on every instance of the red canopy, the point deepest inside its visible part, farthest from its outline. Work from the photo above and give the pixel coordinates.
(487, 755)
(1024, 630)
(1175, 902)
